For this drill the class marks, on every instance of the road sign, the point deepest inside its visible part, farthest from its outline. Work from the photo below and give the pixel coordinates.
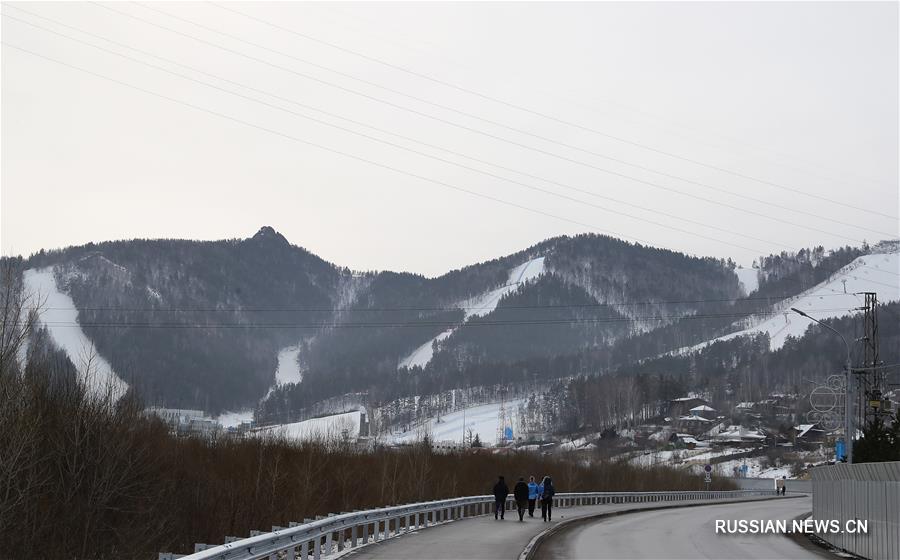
(707, 478)
(708, 468)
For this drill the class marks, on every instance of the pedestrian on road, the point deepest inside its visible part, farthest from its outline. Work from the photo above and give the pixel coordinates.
(783, 485)
(501, 491)
(779, 486)
(521, 494)
(547, 498)
(534, 492)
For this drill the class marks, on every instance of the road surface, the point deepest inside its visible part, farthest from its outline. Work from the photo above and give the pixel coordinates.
(684, 533)
(481, 538)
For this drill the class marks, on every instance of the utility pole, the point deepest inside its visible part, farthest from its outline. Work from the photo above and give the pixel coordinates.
(872, 377)
(849, 418)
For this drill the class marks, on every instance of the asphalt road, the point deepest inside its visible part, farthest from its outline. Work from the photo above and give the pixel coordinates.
(684, 533)
(481, 538)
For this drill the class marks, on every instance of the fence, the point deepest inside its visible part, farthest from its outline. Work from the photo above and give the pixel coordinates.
(793, 485)
(865, 491)
(315, 539)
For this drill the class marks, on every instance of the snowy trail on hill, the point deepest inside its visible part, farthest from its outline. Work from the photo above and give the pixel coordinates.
(59, 314)
(869, 273)
(478, 306)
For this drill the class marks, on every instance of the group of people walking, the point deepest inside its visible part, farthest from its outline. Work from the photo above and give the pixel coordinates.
(527, 496)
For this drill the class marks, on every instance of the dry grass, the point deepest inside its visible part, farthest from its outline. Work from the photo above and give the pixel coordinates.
(83, 478)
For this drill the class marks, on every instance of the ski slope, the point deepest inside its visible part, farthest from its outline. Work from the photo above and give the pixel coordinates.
(423, 354)
(59, 314)
(869, 273)
(482, 420)
(478, 306)
(333, 427)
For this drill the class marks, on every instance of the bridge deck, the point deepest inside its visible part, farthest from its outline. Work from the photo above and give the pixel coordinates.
(484, 538)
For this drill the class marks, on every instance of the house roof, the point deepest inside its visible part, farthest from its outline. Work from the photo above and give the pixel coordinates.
(803, 429)
(703, 408)
(693, 419)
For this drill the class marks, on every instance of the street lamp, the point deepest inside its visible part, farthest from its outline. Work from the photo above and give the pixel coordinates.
(849, 427)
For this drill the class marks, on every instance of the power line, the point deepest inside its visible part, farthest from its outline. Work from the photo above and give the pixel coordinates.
(480, 132)
(447, 308)
(564, 185)
(299, 140)
(275, 132)
(326, 148)
(667, 123)
(412, 324)
(541, 114)
(423, 154)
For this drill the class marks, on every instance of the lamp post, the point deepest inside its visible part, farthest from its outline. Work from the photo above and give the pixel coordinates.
(849, 427)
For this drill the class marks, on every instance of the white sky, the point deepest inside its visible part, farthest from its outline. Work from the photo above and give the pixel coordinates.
(803, 95)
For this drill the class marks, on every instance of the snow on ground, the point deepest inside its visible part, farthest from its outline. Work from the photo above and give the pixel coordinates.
(482, 420)
(327, 427)
(682, 457)
(59, 315)
(480, 306)
(288, 370)
(869, 273)
(748, 278)
(235, 419)
(754, 468)
(423, 354)
(477, 306)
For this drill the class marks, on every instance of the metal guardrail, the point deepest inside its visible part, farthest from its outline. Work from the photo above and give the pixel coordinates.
(330, 535)
(860, 491)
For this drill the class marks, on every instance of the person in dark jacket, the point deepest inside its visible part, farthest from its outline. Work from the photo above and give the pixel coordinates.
(501, 491)
(534, 492)
(521, 494)
(547, 498)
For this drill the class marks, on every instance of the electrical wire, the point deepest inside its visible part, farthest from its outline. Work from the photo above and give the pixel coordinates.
(410, 324)
(476, 131)
(334, 115)
(542, 114)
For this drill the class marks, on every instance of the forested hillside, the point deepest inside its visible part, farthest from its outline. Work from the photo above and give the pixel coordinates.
(201, 324)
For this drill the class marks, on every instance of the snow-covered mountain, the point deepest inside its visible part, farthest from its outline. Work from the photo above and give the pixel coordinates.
(220, 325)
(840, 295)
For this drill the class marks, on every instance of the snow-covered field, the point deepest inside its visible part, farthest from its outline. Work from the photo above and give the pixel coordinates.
(59, 315)
(477, 306)
(832, 298)
(482, 420)
(327, 427)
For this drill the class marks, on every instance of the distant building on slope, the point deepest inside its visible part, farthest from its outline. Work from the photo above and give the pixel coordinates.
(184, 421)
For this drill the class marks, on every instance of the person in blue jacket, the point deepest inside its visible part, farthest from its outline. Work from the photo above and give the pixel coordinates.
(534, 492)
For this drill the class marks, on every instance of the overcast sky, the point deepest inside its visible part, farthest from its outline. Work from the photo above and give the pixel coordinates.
(595, 100)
